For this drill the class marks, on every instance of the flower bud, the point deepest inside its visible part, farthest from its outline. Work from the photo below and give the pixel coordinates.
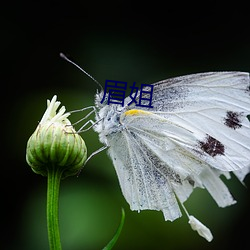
(55, 144)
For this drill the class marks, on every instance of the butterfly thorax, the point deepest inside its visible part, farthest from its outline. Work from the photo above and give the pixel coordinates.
(108, 119)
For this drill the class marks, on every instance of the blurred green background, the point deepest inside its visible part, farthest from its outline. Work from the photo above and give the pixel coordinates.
(130, 41)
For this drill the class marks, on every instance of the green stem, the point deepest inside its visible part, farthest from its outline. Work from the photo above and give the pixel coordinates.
(54, 177)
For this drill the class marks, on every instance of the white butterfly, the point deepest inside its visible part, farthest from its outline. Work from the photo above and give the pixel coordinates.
(197, 130)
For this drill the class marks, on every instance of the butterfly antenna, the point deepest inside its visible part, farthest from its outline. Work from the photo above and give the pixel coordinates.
(68, 60)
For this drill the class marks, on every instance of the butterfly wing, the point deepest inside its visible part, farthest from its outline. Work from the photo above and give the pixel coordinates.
(214, 107)
(141, 184)
(197, 129)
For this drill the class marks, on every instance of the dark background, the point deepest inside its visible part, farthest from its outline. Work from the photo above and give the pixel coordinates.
(120, 40)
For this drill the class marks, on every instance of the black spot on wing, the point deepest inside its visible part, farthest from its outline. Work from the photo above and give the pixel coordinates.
(212, 146)
(233, 119)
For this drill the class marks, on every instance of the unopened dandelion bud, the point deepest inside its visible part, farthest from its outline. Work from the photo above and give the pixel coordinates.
(55, 143)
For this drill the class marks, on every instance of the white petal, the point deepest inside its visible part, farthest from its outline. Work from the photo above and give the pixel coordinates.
(51, 114)
(200, 228)
(50, 109)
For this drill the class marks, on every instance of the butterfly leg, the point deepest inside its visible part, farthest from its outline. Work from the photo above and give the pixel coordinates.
(82, 128)
(86, 116)
(91, 155)
(96, 152)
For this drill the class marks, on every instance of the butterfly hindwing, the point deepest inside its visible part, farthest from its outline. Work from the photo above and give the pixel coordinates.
(214, 107)
(173, 156)
(142, 184)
